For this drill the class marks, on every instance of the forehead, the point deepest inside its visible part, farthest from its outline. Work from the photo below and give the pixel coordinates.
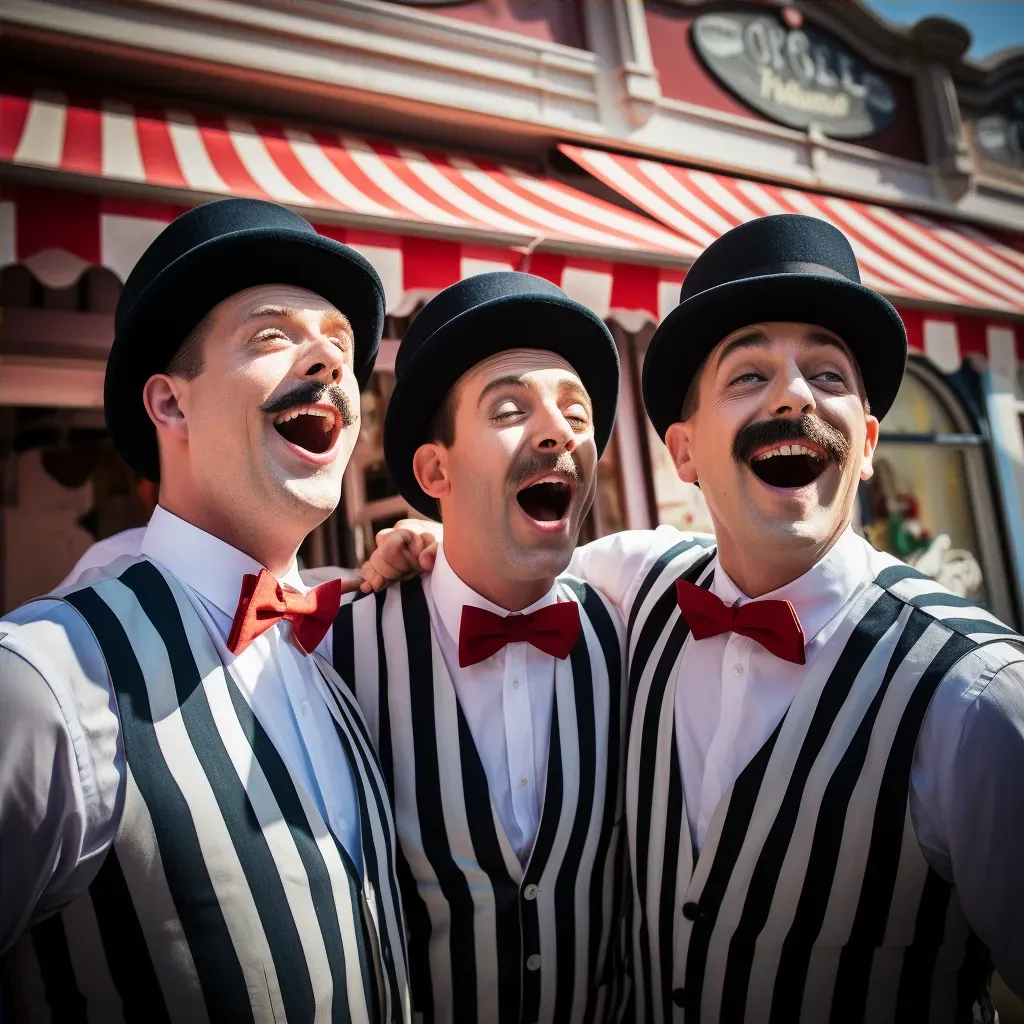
(777, 338)
(537, 366)
(265, 299)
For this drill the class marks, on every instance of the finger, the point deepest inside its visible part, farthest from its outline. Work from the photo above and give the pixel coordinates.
(383, 534)
(427, 559)
(373, 578)
(387, 568)
(350, 585)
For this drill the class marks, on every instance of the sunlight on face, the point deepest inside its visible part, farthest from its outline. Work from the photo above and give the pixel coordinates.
(522, 468)
(780, 437)
(273, 416)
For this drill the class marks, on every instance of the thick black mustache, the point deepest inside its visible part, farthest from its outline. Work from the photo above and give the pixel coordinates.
(309, 393)
(533, 463)
(832, 441)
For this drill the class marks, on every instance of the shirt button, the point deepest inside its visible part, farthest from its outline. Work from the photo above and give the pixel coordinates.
(690, 911)
(530, 892)
(522, 781)
(533, 962)
(737, 669)
(515, 684)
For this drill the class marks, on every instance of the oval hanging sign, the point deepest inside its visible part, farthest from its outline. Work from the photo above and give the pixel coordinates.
(796, 76)
(1000, 131)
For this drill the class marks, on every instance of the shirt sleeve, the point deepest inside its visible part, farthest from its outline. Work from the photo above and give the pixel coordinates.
(967, 804)
(617, 564)
(61, 766)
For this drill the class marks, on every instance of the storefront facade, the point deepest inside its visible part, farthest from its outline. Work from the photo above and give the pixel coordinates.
(600, 145)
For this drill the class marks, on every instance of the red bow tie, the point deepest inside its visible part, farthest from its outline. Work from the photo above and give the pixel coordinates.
(772, 624)
(553, 630)
(264, 602)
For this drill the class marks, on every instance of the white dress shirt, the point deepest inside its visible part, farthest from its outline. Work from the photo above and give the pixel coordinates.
(61, 755)
(731, 694)
(507, 700)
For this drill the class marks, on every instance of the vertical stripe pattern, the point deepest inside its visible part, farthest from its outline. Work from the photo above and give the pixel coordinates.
(226, 897)
(489, 940)
(811, 900)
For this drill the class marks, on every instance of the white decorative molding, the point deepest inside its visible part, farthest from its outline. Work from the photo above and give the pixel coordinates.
(361, 45)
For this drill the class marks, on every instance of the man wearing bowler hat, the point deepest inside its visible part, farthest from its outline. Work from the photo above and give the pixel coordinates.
(493, 688)
(825, 747)
(193, 825)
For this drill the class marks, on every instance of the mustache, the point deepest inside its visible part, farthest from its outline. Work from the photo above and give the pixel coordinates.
(533, 463)
(832, 441)
(310, 393)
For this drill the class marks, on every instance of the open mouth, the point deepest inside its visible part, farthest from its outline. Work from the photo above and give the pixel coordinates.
(788, 465)
(546, 501)
(310, 427)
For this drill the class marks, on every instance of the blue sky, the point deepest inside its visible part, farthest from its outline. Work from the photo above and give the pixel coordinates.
(995, 24)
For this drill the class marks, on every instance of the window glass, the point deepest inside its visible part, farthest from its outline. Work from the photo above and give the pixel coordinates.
(919, 504)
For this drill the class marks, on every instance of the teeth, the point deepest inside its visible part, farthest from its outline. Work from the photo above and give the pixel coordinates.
(308, 410)
(787, 449)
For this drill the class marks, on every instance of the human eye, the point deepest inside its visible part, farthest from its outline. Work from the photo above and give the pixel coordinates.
(831, 377)
(750, 377)
(505, 411)
(577, 414)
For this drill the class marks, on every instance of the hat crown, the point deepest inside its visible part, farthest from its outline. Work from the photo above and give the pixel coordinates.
(463, 296)
(193, 228)
(777, 244)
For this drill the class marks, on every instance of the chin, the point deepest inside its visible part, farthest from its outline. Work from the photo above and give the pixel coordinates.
(318, 495)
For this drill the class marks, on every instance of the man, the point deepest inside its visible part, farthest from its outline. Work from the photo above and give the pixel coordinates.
(843, 738)
(194, 826)
(493, 689)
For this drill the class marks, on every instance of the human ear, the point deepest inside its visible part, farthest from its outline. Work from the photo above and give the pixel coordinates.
(677, 440)
(161, 396)
(867, 469)
(430, 467)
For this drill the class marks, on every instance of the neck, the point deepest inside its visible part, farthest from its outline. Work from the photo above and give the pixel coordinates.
(273, 549)
(478, 574)
(758, 570)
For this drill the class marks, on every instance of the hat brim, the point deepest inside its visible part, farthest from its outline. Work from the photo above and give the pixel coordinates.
(548, 323)
(867, 323)
(187, 289)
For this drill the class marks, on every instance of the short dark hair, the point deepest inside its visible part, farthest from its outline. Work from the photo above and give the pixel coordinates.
(442, 426)
(187, 361)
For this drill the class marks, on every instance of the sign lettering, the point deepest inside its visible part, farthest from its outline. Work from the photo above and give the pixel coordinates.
(795, 76)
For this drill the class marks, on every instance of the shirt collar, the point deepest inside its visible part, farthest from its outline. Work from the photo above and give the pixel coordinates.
(820, 593)
(210, 566)
(450, 595)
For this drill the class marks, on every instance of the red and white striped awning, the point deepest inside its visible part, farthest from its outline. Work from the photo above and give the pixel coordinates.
(901, 254)
(355, 181)
(423, 219)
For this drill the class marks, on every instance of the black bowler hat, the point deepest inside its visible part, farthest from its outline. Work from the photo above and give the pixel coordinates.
(786, 267)
(477, 318)
(197, 261)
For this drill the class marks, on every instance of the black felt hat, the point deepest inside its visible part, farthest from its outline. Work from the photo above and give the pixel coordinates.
(786, 267)
(197, 261)
(477, 318)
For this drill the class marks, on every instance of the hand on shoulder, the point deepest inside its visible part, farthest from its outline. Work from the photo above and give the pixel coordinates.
(405, 550)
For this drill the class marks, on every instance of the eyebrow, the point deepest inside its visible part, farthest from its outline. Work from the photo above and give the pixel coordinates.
(515, 380)
(330, 321)
(758, 339)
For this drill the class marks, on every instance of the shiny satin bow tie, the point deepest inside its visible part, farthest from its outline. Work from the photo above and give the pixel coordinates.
(264, 602)
(553, 630)
(773, 624)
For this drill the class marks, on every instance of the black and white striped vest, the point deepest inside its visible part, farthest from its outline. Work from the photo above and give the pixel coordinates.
(225, 896)
(811, 900)
(490, 942)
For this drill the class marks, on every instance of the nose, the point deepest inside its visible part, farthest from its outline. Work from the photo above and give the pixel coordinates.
(791, 395)
(325, 362)
(554, 432)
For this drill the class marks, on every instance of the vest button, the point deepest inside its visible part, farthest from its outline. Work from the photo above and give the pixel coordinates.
(530, 892)
(533, 962)
(679, 996)
(691, 911)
